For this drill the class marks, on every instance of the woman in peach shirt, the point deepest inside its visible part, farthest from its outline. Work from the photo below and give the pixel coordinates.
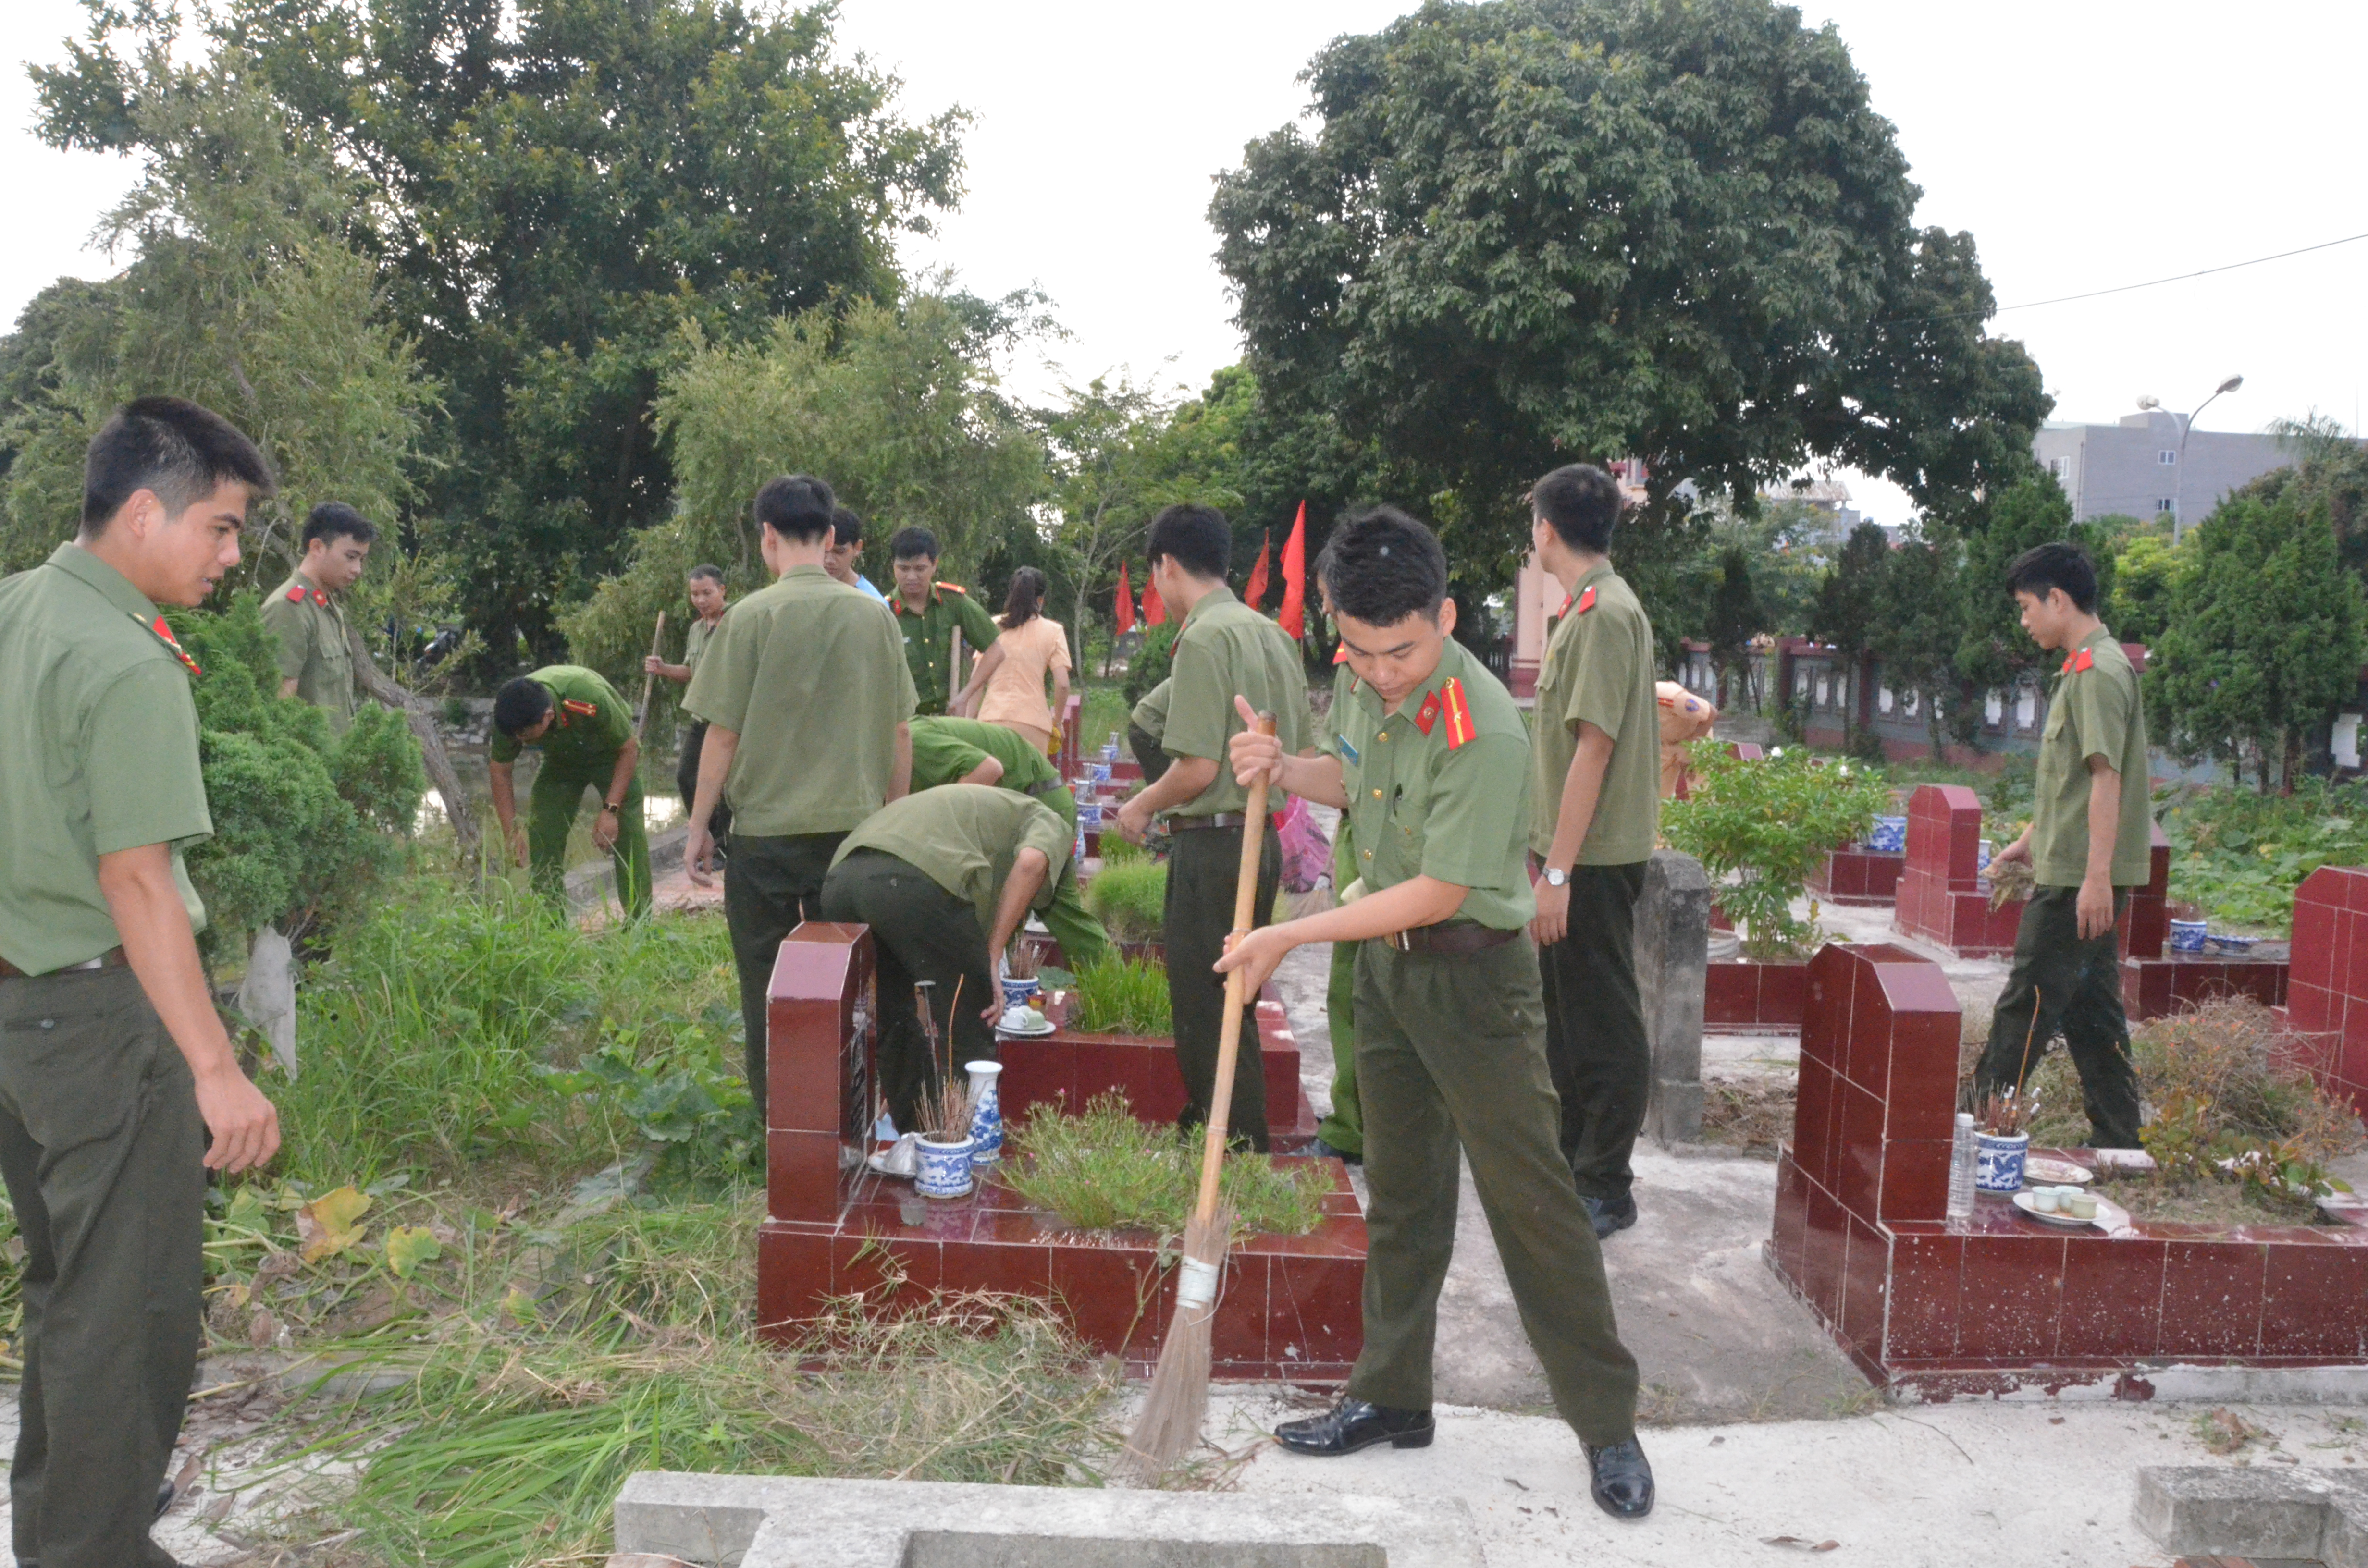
(1007, 688)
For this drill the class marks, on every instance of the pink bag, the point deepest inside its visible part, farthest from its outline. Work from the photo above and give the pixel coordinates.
(1307, 848)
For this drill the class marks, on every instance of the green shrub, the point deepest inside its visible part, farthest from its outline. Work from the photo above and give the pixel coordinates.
(1130, 900)
(1769, 824)
(1105, 1170)
(2238, 857)
(1152, 662)
(1117, 994)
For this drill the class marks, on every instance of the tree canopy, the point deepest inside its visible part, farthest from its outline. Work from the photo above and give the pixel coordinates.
(1534, 231)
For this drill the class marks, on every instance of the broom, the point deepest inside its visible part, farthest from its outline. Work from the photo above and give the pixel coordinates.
(1170, 1423)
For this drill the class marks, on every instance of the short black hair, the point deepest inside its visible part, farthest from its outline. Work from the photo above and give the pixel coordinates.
(713, 574)
(910, 542)
(1382, 566)
(169, 445)
(520, 705)
(334, 519)
(1580, 503)
(846, 525)
(2058, 566)
(1196, 537)
(796, 507)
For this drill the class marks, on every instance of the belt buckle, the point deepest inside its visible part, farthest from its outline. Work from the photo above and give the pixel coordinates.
(1402, 940)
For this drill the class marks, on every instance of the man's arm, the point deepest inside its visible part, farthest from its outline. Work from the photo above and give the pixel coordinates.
(988, 771)
(1418, 901)
(612, 802)
(900, 770)
(1185, 778)
(715, 754)
(1029, 870)
(966, 703)
(1582, 786)
(2095, 905)
(288, 687)
(678, 674)
(497, 775)
(1316, 778)
(146, 908)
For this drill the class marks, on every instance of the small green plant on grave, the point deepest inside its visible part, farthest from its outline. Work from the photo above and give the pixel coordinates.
(1762, 827)
(1117, 994)
(1104, 1169)
(1130, 900)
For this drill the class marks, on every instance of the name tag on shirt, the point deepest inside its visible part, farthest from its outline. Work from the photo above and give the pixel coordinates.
(1349, 752)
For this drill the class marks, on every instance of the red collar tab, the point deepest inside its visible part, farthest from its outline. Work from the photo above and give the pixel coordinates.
(2084, 659)
(588, 710)
(1428, 714)
(1340, 655)
(163, 633)
(1586, 599)
(1459, 713)
(296, 593)
(320, 598)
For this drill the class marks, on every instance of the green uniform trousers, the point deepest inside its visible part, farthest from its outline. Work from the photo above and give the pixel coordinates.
(557, 796)
(686, 780)
(2061, 983)
(102, 1149)
(771, 887)
(1595, 1028)
(919, 931)
(1344, 1129)
(1202, 868)
(1451, 1053)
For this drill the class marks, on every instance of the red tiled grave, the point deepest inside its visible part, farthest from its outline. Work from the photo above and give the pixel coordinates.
(1942, 896)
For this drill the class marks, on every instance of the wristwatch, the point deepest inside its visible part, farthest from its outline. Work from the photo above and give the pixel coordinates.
(1557, 879)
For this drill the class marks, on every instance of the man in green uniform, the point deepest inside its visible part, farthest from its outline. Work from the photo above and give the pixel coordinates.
(929, 613)
(945, 877)
(1224, 649)
(316, 659)
(2087, 845)
(1594, 804)
(1430, 759)
(707, 602)
(585, 733)
(947, 750)
(807, 701)
(115, 1072)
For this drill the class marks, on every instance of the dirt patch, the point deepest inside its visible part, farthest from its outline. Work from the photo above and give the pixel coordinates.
(1748, 1114)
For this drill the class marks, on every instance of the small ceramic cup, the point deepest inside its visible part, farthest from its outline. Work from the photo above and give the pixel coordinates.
(2081, 1206)
(2044, 1199)
(2187, 936)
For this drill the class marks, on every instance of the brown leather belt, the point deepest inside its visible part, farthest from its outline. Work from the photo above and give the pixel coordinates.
(1222, 819)
(111, 959)
(1450, 938)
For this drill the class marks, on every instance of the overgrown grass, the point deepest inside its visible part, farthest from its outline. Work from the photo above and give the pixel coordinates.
(1118, 850)
(1105, 708)
(1117, 994)
(1102, 1169)
(2238, 857)
(1130, 899)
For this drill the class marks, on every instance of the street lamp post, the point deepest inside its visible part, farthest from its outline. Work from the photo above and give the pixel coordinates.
(2178, 480)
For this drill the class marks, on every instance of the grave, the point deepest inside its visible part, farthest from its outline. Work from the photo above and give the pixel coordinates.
(1291, 1308)
(2326, 1000)
(1859, 877)
(2156, 982)
(1073, 1065)
(1942, 897)
(1995, 1303)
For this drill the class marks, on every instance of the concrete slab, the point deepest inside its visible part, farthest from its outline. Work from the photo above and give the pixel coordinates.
(743, 1522)
(2256, 1513)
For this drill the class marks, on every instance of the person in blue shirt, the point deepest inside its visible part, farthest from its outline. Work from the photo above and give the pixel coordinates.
(845, 548)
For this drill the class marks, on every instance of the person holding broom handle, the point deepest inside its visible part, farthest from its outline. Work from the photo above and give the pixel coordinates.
(1429, 761)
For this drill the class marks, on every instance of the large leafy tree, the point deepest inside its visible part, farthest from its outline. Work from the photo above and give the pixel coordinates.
(1917, 621)
(1532, 231)
(552, 189)
(1993, 650)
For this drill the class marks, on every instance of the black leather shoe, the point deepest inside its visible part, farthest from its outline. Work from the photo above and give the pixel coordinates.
(1623, 1480)
(1351, 1424)
(1609, 1214)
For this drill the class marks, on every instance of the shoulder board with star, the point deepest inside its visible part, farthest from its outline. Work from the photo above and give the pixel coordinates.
(163, 633)
(1449, 703)
(2085, 659)
(582, 709)
(955, 588)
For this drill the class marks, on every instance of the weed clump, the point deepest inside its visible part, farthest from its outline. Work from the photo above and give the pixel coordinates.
(1117, 994)
(1130, 899)
(1103, 1169)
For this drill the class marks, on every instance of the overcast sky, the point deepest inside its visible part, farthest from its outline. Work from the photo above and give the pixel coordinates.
(2086, 145)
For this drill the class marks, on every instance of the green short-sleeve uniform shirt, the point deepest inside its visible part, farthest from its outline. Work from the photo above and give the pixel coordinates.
(1224, 649)
(2095, 711)
(694, 643)
(589, 723)
(1440, 788)
(1599, 669)
(946, 748)
(98, 753)
(964, 838)
(1150, 715)
(928, 639)
(813, 678)
(313, 652)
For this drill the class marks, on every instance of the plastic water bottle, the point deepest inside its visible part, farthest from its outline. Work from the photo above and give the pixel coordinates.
(1961, 1169)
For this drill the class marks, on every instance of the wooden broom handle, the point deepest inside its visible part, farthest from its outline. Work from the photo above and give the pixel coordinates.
(1229, 1037)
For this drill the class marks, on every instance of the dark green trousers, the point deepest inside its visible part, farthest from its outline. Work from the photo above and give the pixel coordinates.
(919, 931)
(686, 780)
(1595, 1028)
(102, 1149)
(1201, 870)
(1450, 1055)
(552, 807)
(771, 887)
(2062, 984)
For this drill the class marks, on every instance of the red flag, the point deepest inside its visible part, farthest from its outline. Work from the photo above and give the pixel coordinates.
(1123, 612)
(1255, 589)
(1294, 577)
(1155, 608)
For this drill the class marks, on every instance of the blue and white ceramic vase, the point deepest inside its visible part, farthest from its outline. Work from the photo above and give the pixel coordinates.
(2187, 936)
(987, 1109)
(1889, 837)
(945, 1170)
(1998, 1163)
